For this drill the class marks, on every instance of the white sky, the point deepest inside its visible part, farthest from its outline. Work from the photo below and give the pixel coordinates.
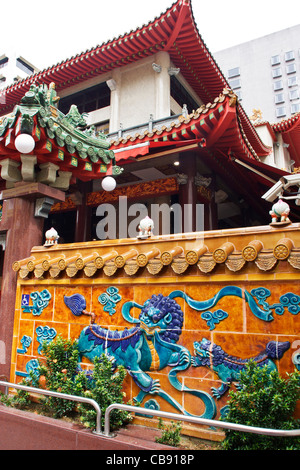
(47, 32)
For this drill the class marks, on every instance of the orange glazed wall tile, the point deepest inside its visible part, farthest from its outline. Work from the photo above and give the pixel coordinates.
(182, 332)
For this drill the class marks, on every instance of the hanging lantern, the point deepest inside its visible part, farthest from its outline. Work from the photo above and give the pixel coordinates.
(109, 183)
(24, 143)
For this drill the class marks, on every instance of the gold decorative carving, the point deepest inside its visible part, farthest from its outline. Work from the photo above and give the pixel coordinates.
(168, 256)
(110, 268)
(206, 264)
(143, 258)
(39, 272)
(55, 271)
(235, 262)
(147, 189)
(221, 254)
(16, 266)
(101, 260)
(294, 259)
(283, 249)
(23, 273)
(61, 264)
(179, 265)
(79, 263)
(45, 265)
(251, 251)
(131, 268)
(71, 270)
(120, 260)
(154, 266)
(192, 256)
(266, 261)
(90, 269)
(30, 266)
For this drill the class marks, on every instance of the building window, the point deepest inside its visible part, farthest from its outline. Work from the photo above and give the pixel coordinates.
(22, 65)
(295, 108)
(294, 95)
(278, 85)
(275, 60)
(181, 95)
(234, 72)
(239, 94)
(3, 62)
(280, 112)
(292, 81)
(102, 127)
(235, 84)
(279, 98)
(277, 72)
(291, 68)
(90, 99)
(289, 56)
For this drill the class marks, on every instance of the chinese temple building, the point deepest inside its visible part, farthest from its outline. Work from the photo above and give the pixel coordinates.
(152, 110)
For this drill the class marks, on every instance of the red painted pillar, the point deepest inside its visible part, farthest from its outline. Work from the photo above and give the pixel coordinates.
(23, 232)
(188, 191)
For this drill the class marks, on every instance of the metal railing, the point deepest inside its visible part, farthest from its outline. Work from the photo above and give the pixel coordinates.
(195, 420)
(64, 396)
(146, 411)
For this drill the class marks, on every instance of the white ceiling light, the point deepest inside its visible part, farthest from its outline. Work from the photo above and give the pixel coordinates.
(24, 143)
(109, 183)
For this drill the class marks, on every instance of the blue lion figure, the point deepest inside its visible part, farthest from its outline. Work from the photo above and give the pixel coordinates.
(149, 346)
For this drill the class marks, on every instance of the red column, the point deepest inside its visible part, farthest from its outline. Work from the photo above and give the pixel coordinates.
(23, 231)
(188, 191)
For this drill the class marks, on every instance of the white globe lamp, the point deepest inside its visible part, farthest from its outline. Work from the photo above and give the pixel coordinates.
(109, 183)
(24, 143)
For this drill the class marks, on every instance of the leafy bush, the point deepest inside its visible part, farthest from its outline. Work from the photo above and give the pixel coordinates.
(105, 387)
(170, 433)
(20, 400)
(59, 373)
(264, 400)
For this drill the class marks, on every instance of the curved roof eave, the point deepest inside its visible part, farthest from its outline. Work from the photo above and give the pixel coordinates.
(174, 31)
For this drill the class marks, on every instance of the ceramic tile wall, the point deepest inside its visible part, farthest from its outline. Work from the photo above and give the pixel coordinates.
(235, 328)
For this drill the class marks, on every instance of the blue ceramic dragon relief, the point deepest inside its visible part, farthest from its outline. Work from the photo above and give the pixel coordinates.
(228, 368)
(151, 344)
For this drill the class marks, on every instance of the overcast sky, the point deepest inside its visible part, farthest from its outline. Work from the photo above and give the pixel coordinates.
(47, 32)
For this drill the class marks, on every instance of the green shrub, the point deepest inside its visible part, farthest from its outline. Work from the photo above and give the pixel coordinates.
(59, 370)
(105, 387)
(264, 400)
(170, 433)
(20, 400)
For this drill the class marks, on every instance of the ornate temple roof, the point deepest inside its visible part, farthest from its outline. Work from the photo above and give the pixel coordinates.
(174, 31)
(63, 140)
(216, 125)
(290, 131)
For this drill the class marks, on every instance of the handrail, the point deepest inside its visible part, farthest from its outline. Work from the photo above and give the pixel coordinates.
(64, 396)
(194, 419)
(147, 411)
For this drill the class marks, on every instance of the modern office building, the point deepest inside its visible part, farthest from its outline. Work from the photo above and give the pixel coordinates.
(14, 68)
(264, 73)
